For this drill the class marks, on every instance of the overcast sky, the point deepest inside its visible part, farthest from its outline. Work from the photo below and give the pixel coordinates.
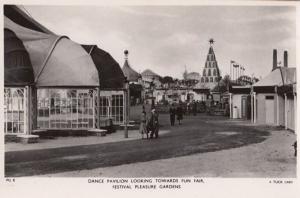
(166, 38)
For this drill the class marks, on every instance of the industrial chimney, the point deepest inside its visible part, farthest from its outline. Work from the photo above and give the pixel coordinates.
(285, 59)
(274, 59)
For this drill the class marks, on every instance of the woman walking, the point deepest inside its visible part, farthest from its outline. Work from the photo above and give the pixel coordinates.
(143, 128)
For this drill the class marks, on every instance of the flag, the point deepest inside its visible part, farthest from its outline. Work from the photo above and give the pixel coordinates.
(236, 65)
(232, 62)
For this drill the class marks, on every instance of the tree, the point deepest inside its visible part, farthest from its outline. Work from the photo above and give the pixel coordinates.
(167, 80)
(226, 81)
(223, 84)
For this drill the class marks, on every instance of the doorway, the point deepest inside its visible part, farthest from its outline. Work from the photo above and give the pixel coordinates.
(270, 114)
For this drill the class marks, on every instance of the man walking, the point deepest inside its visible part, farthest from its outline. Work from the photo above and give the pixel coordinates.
(179, 113)
(194, 108)
(153, 124)
(172, 112)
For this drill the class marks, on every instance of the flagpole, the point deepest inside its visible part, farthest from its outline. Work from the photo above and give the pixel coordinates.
(231, 69)
(233, 78)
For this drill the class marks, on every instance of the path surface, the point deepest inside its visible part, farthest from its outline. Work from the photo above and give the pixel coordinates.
(60, 142)
(264, 159)
(186, 150)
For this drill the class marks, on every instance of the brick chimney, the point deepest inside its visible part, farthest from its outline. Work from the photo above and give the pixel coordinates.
(274, 59)
(285, 59)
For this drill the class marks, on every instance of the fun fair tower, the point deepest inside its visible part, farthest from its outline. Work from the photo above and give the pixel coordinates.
(211, 72)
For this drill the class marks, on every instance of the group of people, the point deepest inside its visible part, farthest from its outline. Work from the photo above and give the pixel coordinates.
(176, 111)
(149, 128)
(192, 108)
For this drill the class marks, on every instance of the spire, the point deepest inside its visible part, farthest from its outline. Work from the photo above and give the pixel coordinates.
(211, 41)
(130, 73)
(185, 73)
(211, 72)
(126, 54)
(126, 64)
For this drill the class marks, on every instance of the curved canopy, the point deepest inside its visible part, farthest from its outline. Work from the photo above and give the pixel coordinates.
(19, 17)
(130, 73)
(56, 61)
(110, 73)
(17, 65)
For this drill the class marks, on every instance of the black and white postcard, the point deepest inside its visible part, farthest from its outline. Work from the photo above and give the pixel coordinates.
(184, 98)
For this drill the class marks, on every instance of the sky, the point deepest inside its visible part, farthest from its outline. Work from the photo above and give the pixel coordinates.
(166, 39)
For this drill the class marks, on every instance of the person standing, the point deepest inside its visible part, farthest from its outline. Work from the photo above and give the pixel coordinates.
(172, 112)
(143, 128)
(153, 124)
(194, 108)
(179, 113)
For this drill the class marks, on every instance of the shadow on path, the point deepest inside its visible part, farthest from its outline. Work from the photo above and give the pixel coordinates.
(196, 135)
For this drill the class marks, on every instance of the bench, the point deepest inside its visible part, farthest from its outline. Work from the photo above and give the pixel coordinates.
(27, 139)
(97, 132)
(43, 133)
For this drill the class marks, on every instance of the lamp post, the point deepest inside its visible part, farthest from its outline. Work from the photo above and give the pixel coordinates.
(126, 107)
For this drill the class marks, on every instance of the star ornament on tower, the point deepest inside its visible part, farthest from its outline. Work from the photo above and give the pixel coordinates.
(211, 41)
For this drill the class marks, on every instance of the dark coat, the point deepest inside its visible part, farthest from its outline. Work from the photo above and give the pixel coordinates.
(179, 113)
(172, 111)
(153, 122)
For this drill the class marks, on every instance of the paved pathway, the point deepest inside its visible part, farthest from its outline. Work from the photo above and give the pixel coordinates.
(173, 154)
(265, 159)
(60, 142)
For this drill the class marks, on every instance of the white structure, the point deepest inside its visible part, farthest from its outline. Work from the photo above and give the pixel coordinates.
(274, 98)
(239, 102)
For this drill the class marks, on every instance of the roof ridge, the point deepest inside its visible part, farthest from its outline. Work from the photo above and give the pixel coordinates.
(48, 56)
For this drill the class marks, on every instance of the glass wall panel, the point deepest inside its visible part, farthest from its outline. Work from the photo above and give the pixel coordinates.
(14, 107)
(65, 108)
(111, 106)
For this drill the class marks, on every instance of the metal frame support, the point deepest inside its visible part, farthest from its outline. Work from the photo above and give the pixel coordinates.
(254, 107)
(285, 111)
(126, 114)
(230, 105)
(98, 107)
(26, 114)
(127, 103)
(277, 110)
(295, 111)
